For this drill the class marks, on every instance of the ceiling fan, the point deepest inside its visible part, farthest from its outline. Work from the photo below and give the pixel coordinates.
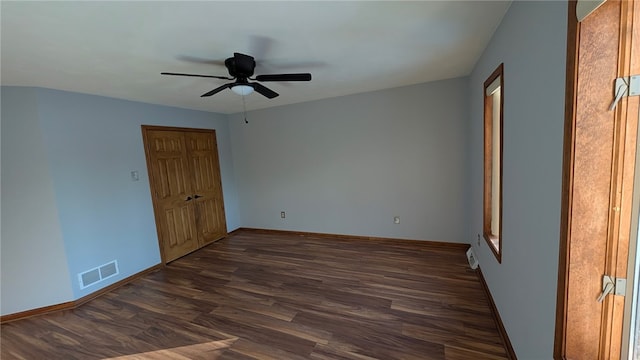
(241, 68)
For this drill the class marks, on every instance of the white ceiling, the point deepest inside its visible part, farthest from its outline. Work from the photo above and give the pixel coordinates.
(118, 49)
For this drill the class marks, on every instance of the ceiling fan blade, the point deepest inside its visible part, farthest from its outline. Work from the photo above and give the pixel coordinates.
(198, 60)
(216, 90)
(196, 75)
(285, 77)
(263, 90)
(260, 46)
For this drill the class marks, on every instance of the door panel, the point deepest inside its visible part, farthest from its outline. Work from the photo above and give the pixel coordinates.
(180, 231)
(172, 171)
(210, 220)
(592, 203)
(171, 186)
(203, 156)
(170, 166)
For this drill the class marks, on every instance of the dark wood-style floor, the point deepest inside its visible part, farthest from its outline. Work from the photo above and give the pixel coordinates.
(260, 295)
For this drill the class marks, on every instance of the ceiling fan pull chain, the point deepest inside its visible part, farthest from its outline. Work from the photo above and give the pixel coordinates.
(244, 107)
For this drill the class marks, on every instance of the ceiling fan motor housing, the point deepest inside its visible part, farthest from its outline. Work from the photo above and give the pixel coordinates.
(240, 66)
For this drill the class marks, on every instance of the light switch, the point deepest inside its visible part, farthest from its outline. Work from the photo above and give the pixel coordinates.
(135, 176)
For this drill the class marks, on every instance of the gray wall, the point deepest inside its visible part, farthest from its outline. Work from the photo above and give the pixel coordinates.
(531, 41)
(87, 148)
(348, 165)
(33, 260)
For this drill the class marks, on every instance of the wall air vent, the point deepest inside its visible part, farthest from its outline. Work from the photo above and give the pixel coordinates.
(471, 257)
(98, 274)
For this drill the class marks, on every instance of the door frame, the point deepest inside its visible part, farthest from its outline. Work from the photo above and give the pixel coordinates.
(631, 307)
(573, 45)
(156, 207)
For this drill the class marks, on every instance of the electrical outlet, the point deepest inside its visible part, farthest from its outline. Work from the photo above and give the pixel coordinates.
(396, 219)
(282, 214)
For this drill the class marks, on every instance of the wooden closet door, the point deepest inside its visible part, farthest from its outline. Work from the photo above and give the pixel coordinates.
(202, 151)
(172, 192)
(184, 174)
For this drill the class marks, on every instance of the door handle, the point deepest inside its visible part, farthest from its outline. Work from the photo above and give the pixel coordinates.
(607, 290)
(188, 198)
(608, 287)
(622, 89)
(196, 196)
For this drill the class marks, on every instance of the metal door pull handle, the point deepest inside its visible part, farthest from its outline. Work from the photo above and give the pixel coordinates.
(607, 290)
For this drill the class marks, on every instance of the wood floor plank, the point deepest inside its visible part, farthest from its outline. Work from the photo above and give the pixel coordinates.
(257, 334)
(262, 351)
(265, 295)
(284, 326)
(206, 351)
(454, 353)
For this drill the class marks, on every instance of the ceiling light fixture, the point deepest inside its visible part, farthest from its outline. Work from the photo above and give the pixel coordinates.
(242, 89)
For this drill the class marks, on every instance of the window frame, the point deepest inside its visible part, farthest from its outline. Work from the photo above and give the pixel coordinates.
(488, 205)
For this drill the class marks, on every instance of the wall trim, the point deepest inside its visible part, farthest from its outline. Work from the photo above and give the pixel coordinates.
(496, 316)
(440, 244)
(69, 305)
(235, 231)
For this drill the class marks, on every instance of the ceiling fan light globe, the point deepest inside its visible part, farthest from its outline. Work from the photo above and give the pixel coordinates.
(242, 89)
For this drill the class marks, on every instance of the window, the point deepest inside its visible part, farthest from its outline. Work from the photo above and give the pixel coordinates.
(492, 212)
